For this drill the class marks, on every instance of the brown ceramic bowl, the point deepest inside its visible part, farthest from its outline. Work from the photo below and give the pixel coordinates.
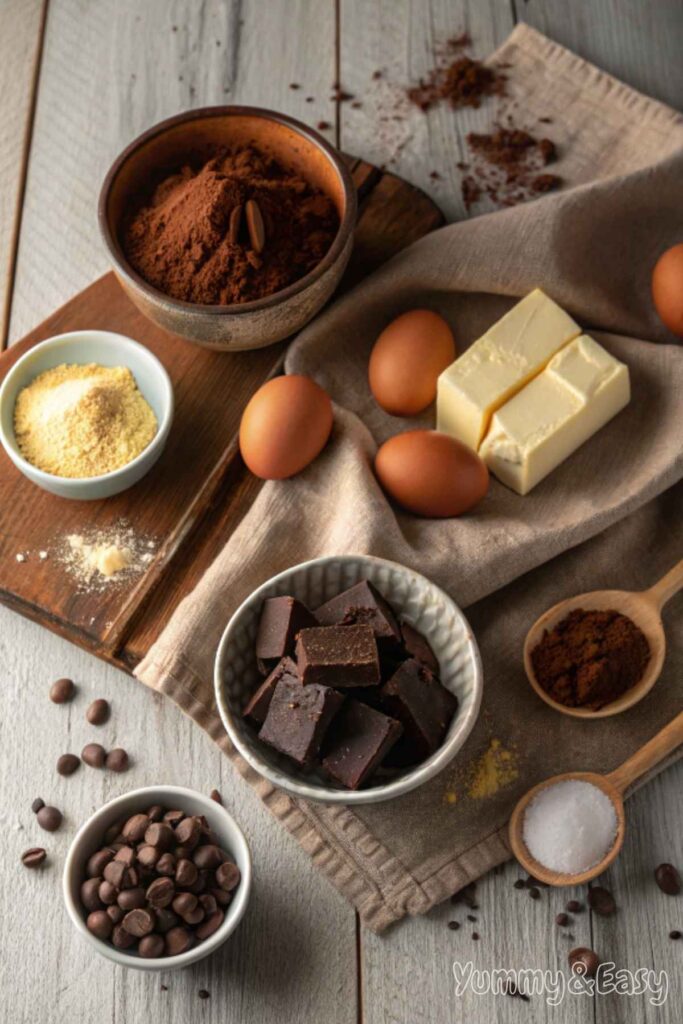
(166, 147)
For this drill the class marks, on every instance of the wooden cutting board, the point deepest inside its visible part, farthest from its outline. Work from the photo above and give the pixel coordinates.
(195, 496)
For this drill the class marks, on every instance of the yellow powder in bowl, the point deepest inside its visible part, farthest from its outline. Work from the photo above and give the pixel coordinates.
(82, 421)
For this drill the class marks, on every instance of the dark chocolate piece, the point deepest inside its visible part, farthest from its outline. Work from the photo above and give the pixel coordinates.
(362, 604)
(341, 656)
(281, 620)
(298, 718)
(424, 707)
(357, 743)
(257, 708)
(418, 647)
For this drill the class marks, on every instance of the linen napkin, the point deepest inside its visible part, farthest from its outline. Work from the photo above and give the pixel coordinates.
(608, 517)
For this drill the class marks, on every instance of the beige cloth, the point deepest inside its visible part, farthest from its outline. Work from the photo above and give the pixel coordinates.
(610, 516)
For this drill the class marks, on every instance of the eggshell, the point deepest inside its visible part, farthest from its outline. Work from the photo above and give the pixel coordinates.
(407, 359)
(667, 288)
(431, 474)
(284, 426)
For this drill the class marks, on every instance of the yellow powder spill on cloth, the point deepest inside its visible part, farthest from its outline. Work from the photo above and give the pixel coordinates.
(82, 421)
(491, 772)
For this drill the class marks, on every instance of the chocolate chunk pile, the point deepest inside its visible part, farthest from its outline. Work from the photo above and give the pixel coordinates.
(159, 884)
(348, 687)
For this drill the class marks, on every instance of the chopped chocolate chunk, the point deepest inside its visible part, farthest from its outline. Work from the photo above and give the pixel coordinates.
(281, 620)
(362, 604)
(358, 741)
(424, 707)
(298, 718)
(418, 647)
(257, 708)
(341, 656)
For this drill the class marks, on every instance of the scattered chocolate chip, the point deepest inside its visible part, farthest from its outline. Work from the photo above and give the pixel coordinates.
(49, 818)
(117, 760)
(584, 961)
(323, 126)
(601, 901)
(98, 712)
(62, 690)
(67, 764)
(475, 936)
(94, 755)
(294, 85)
(510, 989)
(203, 993)
(574, 907)
(215, 795)
(675, 934)
(466, 896)
(34, 857)
(37, 804)
(454, 925)
(520, 884)
(668, 879)
(534, 892)
(562, 920)
(471, 917)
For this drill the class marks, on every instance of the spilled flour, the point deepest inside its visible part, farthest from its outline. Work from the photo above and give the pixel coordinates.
(98, 559)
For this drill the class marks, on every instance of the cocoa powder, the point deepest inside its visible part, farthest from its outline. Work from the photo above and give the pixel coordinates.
(462, 83)
(234, 228)
(506, 167)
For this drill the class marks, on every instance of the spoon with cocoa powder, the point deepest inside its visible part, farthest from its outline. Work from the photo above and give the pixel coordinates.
(564, 659)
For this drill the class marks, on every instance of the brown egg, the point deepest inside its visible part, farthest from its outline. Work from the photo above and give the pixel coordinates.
(407, 359)
(284, 426)
(667, 288)
(431, 474)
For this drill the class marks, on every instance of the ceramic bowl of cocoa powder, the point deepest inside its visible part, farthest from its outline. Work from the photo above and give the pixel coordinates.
(229, 226)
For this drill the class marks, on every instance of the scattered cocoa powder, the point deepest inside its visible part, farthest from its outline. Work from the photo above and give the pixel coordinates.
(181, 239)
(590, 658)
(462, 83)
(506, 167)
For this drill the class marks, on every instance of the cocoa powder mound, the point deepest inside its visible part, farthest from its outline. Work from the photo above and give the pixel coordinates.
(506, 167)
(462, 83)
(236, 228)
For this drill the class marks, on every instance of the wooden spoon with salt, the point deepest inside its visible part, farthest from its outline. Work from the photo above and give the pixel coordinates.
(613, 785)
(642, 607)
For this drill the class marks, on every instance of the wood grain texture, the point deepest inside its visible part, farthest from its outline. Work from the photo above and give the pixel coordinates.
(21, 26)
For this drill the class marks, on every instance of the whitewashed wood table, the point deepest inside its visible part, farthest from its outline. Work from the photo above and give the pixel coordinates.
(78, 80)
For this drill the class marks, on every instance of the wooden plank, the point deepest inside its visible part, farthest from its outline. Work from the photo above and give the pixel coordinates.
(21, 29)
(400, 40)
(637, 41)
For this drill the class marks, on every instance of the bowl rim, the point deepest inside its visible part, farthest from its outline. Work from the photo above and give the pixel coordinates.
(346, 223)
(234, 912)
(405, 783)
(117, 341)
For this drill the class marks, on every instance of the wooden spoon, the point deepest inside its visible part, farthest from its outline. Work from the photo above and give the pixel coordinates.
(614, 785)
(642, 607)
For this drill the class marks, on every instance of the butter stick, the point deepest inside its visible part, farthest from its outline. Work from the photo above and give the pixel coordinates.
(581, 388)
(499, 364)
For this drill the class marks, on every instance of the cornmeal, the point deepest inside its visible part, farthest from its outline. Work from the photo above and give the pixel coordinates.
(82, 421)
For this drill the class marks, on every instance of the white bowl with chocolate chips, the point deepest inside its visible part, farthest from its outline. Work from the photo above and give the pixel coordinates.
(348, 679)
(158, 878)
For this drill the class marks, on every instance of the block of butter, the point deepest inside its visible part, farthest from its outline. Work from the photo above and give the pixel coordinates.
(581, 388)
(499, 364)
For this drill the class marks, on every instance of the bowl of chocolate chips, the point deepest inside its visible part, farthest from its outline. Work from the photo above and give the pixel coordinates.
(348, 679)
(157, 878)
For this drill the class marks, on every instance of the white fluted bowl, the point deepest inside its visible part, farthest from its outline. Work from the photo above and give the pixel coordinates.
(424, 605)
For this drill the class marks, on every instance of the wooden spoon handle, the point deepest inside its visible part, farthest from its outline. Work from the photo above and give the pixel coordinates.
(665, 588)
(654, 751)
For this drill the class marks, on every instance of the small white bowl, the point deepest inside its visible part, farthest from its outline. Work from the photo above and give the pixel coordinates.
(83, 347)
(414, 598)
(88, 839)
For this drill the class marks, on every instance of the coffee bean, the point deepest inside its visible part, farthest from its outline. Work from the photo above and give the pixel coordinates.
(34, 857)
(139, 922)
(121, 938)
(90, 897)
(584, 961)
(67, 764)
(166, 864)
(534, 893)
(601, 901)
(668, 879)
(61, 691)
(174, 817)
(37, 804)
(228, 877)
(98, 712)
(186, 873)
(166, 920)
(675, 934)
(107, 892)
(215, 795)
(94, 755)
(574, 907)
(208, 903)
(98, 861)
(177, 940)
(159, 835)
(204, 993)
(131, 899)
(126, 855)
(161, 892)
(135, 828)
(562, 920)
(151, 946)
(155, 812)
(117, 760)
(454, 925)
(208, 856)
(99, 923)
(148, 856)
(115, 913)
(49, 818)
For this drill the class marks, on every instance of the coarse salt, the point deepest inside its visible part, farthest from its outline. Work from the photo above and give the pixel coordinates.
(570, 826)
